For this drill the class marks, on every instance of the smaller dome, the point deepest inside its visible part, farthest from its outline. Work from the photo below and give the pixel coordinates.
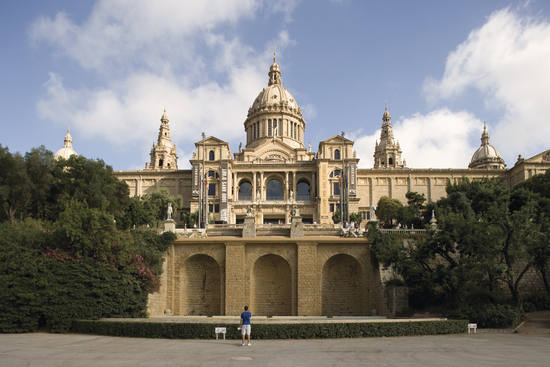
(486, 156)
(64, 153)
(67, 149)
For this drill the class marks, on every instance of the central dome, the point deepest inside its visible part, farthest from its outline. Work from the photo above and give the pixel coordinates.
(275, 114)
(274, 95)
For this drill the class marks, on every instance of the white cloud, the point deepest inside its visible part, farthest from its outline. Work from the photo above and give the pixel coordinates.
(121, 31)
(211, 95)
(506, 60)
(439, 139)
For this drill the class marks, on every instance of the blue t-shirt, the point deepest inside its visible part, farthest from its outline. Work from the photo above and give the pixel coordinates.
(246, 317)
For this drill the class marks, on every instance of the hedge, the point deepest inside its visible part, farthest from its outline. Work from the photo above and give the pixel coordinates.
(489, 315)
(268, 331)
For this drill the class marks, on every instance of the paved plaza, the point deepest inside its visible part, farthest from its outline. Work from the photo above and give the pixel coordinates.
(481, 349)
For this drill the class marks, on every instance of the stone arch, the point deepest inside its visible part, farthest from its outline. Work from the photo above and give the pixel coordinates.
(303, 189)
(274, 188)
(271, 286)
(245, 190)
(201, 286)
(342, 287)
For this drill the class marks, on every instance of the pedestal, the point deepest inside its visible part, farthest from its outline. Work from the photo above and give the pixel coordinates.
(249, 227)
(296, 227)
(170, 226)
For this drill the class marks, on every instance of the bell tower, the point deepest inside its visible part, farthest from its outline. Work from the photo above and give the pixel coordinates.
(163, 154)
(387, 153)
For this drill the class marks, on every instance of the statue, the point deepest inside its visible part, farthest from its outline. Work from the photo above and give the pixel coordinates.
(240, 147)
(291, 195)
(249, 212)
(372, 212)
(169, 212)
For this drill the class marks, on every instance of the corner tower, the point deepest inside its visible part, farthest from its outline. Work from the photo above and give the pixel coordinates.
(387, 153)
(163, 154)
(275, 114)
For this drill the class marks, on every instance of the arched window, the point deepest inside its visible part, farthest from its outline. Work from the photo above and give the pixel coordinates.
(337, 154)
(302, 190)
(211, 155)
(335, 173)
(390, 161)
(335, 188)
(245, 190)
(274, 190)
(213, 174)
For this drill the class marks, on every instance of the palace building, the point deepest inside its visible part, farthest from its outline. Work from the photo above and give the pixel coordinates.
(269, 240)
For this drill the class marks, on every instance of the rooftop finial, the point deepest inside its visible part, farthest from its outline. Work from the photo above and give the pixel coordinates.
(485, 135)
(274, 57)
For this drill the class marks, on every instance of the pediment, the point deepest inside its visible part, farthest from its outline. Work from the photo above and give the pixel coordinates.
(211, 140)
(274, 151)
(337, 139)
(543, 157)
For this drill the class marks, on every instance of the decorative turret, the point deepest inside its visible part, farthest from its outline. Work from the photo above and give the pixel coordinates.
(387, 153)
(67, 149)
(163, 154)
(486, 156)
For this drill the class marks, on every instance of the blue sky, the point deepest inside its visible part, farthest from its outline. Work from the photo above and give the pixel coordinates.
(107, 68)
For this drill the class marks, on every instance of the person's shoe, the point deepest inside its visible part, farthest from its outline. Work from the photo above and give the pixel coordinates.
(249, 344)
(243, 344)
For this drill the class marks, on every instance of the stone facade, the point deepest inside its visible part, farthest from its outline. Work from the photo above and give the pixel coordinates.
(291, 259)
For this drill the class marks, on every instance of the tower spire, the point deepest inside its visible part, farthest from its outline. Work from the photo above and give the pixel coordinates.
(163, 154)
(387, 153)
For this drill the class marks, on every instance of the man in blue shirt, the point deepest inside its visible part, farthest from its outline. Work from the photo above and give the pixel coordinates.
(245, 324)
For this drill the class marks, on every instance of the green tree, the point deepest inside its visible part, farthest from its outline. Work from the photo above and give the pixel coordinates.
(388, 210)
(39, 162)
(87, 181)
(537, 189)
(136, 215)
(156, 203)
(356, 217)
(336, 217)
(15, 187)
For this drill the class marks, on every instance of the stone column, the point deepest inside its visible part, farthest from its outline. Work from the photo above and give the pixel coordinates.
(254, 198)
(429, 189)
(309, 302)
(286, 187)
(294, 184)
(262, 186)
(235, 278)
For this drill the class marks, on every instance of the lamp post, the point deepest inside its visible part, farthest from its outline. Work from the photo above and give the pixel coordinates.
(205, 183)
(344, 186)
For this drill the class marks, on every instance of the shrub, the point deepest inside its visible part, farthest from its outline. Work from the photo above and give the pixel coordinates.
(490, 315)
(268, 331)
(43, 285)
(536, 302)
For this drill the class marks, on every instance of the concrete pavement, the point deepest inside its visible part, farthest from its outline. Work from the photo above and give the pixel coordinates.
(481, 349)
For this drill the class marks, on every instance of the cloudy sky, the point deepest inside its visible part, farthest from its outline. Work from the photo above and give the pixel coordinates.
(107, 68)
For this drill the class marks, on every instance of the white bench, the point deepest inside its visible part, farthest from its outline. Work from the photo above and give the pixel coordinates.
(472, 327)
(220, 330)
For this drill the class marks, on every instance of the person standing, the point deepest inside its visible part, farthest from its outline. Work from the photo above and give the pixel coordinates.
(245, 324)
